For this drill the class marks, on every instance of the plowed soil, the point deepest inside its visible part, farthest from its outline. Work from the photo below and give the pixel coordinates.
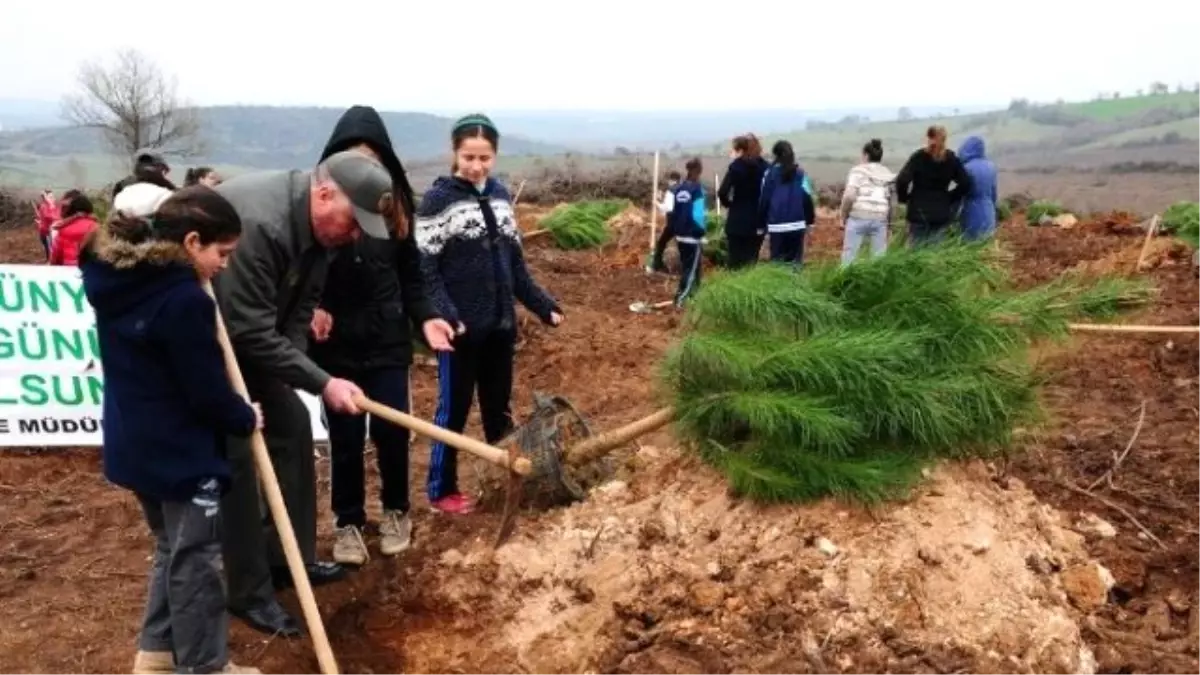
(662, 571)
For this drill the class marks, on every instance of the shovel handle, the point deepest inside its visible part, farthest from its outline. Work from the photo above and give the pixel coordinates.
(598, 446)
(278, 509)
(491, 453)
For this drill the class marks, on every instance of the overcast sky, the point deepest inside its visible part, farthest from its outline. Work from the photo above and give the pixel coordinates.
(455, 55)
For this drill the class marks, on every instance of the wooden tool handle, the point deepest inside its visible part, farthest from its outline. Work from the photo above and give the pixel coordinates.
(283, 523)
(491, 453)
(597, 446)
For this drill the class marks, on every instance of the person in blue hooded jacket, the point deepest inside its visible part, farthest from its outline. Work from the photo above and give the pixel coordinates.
(786, 205)
(979, 207)
(687, 223)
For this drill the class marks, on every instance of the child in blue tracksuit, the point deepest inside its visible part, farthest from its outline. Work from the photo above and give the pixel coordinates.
(167, 402)
(686, 222)
(786, 205)
(474, 273)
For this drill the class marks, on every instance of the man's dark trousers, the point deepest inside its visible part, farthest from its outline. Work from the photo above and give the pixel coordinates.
(250, 543)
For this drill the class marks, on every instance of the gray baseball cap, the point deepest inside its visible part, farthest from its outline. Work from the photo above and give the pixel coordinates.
(368, 185)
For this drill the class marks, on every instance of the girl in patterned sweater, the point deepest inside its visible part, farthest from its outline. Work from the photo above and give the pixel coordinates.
(474, 269)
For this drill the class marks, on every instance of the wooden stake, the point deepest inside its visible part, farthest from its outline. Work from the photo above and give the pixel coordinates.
(275, 503)
(520, 188)
(1150, 232)
(654, 204)
(716, 189)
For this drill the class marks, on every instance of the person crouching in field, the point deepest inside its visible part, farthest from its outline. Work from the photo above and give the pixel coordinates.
(167, 400)
(474, 268)
(363, 331)
(69, 233)
(687, 223)
(786, 205)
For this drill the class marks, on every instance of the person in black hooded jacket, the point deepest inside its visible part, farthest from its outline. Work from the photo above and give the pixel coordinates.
(373, 297)
(739, 193)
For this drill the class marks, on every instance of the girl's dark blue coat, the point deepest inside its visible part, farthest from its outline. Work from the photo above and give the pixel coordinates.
(167, 399)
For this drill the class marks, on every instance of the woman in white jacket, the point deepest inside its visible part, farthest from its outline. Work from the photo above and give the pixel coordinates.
(867, 203)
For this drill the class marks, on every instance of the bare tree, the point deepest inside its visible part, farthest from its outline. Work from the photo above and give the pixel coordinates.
(135, 105)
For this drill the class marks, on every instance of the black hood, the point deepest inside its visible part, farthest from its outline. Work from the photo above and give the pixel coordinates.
(362, 124)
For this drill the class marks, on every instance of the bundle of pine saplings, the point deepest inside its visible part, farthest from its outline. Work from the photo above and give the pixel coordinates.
(582, 225)
(847, 381)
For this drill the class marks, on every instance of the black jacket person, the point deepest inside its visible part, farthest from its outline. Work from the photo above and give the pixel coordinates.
(373, 299)
(739, 193)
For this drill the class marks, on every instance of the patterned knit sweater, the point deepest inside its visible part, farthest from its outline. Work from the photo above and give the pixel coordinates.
(471, 257)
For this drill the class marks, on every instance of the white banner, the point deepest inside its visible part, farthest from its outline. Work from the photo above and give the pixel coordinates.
(51, 383)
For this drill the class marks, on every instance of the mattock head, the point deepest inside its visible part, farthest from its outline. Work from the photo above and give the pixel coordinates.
(512, 496)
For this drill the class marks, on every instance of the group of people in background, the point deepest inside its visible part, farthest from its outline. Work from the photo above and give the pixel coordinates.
(323, 278)
(64, 222)
(775, 201)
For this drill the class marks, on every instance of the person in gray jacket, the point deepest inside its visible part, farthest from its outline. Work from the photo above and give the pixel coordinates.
(292, 221)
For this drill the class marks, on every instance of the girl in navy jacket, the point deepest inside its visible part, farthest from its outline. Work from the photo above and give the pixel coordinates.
(474, 270)
(167, 402)
(687, 223)
(786, 206)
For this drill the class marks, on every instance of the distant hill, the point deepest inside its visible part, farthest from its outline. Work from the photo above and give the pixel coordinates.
(605, 130)
(235, 137)
(1162, 128)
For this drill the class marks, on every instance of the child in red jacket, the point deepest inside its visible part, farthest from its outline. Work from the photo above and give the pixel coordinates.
(70, 232)
(46, 212)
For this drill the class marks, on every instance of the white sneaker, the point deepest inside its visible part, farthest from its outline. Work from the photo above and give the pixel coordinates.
(349, 548)
(153, 663)
(395, 532)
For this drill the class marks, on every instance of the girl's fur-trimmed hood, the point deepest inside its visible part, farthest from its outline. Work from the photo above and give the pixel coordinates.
(124, 245)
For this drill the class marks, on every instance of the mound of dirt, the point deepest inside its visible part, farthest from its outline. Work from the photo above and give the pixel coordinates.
(1121, 223)
(669, 574)
(1162, 252)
